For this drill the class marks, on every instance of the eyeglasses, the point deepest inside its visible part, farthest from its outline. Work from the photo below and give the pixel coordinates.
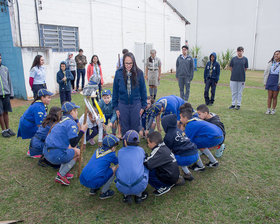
(131, 63)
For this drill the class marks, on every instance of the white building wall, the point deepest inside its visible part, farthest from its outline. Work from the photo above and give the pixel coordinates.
(218, 25)
(105, 28)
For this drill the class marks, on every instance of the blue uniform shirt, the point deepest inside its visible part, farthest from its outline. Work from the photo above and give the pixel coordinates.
(172, 105)
(38, 140)
(108, 110)
(60, 136)
(32, 117)
(97, 172)
(203, 133)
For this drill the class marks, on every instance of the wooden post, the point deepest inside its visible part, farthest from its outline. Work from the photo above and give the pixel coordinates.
(82, 144)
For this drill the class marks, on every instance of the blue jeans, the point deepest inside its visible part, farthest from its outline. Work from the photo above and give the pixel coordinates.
(65, 96)
(184, 82)
(154, 181)
(79, 73)
(210, 83)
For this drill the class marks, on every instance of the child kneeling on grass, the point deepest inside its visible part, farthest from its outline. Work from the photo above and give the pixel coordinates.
(204, 134)
(184, 150)
(147, 125)
(61, 144)
(38, 140)
(98, 172)
(164, 171)
(110, 114)
(132, 176)
(204, 114)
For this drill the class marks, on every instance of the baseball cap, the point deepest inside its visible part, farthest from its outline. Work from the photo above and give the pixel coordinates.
(109, 141)
(106, 92)
(68, 106)
(131, 136)
(44, 92)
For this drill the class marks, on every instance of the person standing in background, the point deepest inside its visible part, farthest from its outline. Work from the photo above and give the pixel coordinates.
(37, 78)
(81, 61)
(272, 81)
(184, 72)
(71, 66)
(6, 93)
(153, 72)
(238, 67)
(120, 59)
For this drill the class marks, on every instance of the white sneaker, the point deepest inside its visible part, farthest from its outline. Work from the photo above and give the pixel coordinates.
(273, 111)
(268, 111)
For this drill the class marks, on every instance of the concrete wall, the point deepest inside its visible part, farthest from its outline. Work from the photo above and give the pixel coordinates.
(218, 25)
(11, 56)
(105, 28)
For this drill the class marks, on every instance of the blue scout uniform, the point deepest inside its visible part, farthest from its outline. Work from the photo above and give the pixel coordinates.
(203, 133)
(176, 140)
(97, 172)
(32, 117)
(38, 140)
(132, 176)
(172, 105)
(56, 148)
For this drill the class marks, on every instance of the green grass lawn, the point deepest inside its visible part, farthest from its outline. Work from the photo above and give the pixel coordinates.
(243, 189)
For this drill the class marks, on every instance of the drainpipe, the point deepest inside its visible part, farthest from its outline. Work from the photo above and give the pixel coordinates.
(122, 23)
(19, 29)
(196, 28)
(255, 35)
(37, 21)
(91, 24)
(164, 36)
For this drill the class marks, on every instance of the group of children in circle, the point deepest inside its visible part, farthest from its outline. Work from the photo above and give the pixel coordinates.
(188, 135)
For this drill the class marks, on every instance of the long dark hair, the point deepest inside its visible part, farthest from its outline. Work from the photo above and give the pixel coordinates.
(134, 70)
(36, 61)
(91, 61)
(272, 59)
(53, 116)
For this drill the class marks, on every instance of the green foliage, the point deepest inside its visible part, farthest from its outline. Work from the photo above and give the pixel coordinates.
(205, 60)
(195, 51)
(224, 58)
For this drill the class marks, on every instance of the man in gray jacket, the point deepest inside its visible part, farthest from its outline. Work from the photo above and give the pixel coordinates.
(6, 92)
(184, 72)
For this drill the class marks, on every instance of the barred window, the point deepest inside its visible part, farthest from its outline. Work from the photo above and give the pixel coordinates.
(59, 38)
(175, 43)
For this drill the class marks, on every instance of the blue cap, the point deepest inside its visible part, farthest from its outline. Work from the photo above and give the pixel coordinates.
(68, 106)
(44, 92)
(131, 136)
(157, 107)
(109, 141)
(106, 92)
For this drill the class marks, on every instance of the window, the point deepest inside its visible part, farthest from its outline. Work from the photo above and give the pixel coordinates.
(59, 38)
(175, 43)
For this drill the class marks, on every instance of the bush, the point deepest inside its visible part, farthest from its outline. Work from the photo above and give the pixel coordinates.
(195, 52)
(205, 60)
(224, 58)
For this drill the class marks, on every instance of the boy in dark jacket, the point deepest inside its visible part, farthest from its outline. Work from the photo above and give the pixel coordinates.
(164, 170)
(63, 78)
(185, 151)
(204, 114)
(211, 78)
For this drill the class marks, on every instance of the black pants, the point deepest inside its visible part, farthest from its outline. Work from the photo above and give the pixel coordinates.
(209, 83)
(80, 72)
(36, 88)
(65, 96)
(73, 81)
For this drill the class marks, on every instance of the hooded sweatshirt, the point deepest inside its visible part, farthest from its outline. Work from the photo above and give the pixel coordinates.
(175, 138)
(184, 67)
(6, 88)
(64, 85)
(212, 69)
(70, 63)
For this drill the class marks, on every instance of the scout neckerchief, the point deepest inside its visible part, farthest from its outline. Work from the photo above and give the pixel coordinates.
(101, 152)
(128, 85)
(276, 65)
(40, 101)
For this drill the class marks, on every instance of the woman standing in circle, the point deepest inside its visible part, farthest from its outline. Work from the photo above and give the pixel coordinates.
(94, 68)
(129, 94)
(272, 81)
(153, 72)
(37, 78)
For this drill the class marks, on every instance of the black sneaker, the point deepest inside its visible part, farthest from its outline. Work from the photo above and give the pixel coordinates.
(10, 131)
(93, 191)
(195, 167)
(6, 134)
(231, 107)
(180, 182)
(143, 197)
(237, 108)
(107, 194)
(161, 191)
(44, 163)
(127, 199)
(210, 164)
(188, 176)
